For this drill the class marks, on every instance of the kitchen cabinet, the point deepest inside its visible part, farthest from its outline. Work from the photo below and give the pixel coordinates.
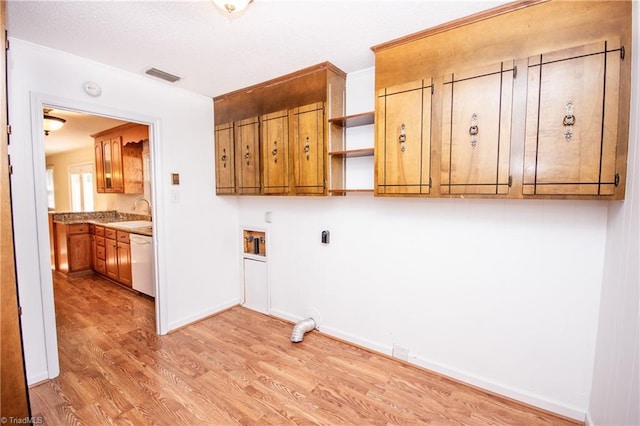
(281, 132)
(118, 159)
(247, 156)
(403, 139)
(99, 251)
(572, 121)
(225, 162)
(73, 245)
(118, 256)
(275, 152)
(309, 149)
(476, 130)
(551, 115)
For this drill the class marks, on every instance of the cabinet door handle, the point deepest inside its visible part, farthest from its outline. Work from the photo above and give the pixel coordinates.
(247, 155)
(307, 148)
(275, 151)
(403, 137)
(224, 157)
(473, 130)
(568, 121)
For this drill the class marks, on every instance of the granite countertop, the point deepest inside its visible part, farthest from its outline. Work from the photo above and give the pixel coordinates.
(108, 219)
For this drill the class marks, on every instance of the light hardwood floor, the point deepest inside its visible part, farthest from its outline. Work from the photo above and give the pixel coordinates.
(237, 367)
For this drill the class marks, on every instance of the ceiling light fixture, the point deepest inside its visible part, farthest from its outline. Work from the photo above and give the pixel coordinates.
(232, 6)
(51, 123)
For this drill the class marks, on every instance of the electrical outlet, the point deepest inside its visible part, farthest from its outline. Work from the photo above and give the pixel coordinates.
(400, 352)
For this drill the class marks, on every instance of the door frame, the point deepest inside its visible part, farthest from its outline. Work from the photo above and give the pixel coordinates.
(38, 102)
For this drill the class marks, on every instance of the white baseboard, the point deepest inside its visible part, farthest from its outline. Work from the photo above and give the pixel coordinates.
(35, 379)
(202, 314)
(588, 421)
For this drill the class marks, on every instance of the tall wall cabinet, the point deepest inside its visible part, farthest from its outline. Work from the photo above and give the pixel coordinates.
(528, 100)
(272, 138)
(118, 155)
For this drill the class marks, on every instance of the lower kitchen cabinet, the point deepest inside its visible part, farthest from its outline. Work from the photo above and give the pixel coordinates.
(117, 255)
(73, 245)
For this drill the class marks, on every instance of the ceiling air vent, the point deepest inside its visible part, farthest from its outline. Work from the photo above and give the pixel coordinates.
(163, 75)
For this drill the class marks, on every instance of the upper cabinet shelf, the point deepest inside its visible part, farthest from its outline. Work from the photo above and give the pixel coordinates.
(354, 120)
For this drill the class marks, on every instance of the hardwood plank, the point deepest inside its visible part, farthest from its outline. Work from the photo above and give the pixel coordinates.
(238, 367)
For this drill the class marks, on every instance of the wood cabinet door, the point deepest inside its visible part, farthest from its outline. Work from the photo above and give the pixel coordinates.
(476, 130)
(111, 259)
(275, 152)
(403, 139)
(309, 149)
(79, 252)
(99, 164)
(225, 167)
(117, 180)
(247, 156)
(124, 264)
(132, 168)
(572, 121)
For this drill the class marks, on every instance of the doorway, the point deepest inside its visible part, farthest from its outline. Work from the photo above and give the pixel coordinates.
(112, 116)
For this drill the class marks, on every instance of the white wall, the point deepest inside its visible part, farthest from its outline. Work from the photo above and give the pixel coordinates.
(616, 383)
(195, 232)
(500, 293)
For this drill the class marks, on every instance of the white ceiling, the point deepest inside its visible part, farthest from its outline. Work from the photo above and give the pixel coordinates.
(213, 53)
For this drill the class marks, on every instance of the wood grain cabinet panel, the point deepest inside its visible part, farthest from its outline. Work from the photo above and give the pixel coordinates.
(275, 152)
(247, 156)
(572, 121)
(225, 166)
(403, 139)
(118, 159)
(476, 130)
(309, 149)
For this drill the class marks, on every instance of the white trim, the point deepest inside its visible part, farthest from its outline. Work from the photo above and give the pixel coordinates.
(38, 102)
(203, 314)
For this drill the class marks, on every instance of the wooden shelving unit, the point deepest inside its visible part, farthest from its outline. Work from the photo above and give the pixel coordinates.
(339, 156)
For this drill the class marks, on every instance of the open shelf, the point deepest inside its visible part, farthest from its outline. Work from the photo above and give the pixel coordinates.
(352, 153)
(345, 191)
(362, 119)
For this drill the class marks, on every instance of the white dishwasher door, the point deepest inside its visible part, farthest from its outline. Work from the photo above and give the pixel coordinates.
(142, 264)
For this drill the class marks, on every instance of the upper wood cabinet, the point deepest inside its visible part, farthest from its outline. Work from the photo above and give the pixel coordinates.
(531, 100)
(281, 133)
(275, 152)
(309, 149)
(118, 159)
(225, 161)
(247, 155)
(572, 121)
(403, 141)
(476, 130)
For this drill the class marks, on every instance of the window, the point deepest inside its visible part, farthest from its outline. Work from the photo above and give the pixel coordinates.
(81, 187)
(51, 199)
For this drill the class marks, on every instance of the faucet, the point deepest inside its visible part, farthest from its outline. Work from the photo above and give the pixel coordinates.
(148, 205)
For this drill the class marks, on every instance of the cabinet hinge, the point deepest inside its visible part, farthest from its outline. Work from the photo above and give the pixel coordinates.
(510, 181)
(515, 72)
(8, 129)
(616, 180)
(622, 53)
(7, 45)
(20, 310)
(430, 182)
(10, 166)
(433, 89)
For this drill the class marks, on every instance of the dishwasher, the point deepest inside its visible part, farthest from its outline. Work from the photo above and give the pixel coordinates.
(142, 264)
